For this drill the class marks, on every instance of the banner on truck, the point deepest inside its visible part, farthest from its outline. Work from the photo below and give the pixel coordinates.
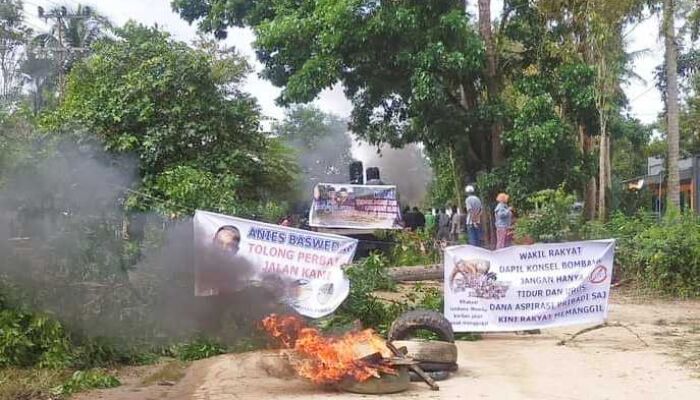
(232, 253)
(355, 207)
(527, 287)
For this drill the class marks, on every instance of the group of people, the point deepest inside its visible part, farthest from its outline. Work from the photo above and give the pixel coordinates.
(449, 223)
(503, 219)
(414, 219)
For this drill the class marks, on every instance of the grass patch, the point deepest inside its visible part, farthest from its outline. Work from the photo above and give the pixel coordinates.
(86, 380)
(171, 371)
(198, 349)
(26, 384)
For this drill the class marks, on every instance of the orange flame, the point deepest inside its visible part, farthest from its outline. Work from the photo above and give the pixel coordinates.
(323, 359)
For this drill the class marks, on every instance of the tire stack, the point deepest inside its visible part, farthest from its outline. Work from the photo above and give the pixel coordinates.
(438, 358)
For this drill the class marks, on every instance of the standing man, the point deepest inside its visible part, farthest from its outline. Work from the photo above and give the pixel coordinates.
(455, 225)
(443, 221)
(473, 220)
(420, 218)
(430, 221)
(409, 219)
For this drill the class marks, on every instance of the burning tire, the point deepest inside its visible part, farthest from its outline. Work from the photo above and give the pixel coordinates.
(407, 324)
(436, 367)
(429, 351)
(385, 384)
(436, 375)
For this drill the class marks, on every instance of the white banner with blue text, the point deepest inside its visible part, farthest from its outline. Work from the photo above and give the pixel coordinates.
(527, 287)
(233, 252)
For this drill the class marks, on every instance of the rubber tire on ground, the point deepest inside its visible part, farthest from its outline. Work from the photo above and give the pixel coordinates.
(386, 384)
(429, 350)
(408, 323)
(433, 367)
(436, 375)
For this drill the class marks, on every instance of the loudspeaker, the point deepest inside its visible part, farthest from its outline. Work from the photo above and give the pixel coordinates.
(356, 177)
(373, 174)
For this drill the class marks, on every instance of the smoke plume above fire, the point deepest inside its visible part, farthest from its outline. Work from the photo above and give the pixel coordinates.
(69, 249)
(406, 168)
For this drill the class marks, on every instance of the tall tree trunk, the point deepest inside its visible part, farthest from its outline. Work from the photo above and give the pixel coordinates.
(457, 178)
(590, 188)
(603, 181)
(672, 106)
(492, 83)
(604, 87)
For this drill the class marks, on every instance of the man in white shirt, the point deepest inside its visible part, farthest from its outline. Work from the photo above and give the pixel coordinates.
(473, 220)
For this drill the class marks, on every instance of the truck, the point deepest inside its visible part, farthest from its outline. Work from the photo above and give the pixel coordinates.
(370, 240)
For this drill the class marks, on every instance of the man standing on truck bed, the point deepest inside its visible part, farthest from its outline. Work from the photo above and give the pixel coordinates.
(473, 221)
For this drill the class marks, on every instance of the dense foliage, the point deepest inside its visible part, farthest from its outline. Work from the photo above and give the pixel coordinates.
(662, 255)
(551, 218)
(179, 110)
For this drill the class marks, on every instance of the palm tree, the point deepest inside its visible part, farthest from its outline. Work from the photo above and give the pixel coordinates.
(72, 32)
(55, 52)
(39, 73)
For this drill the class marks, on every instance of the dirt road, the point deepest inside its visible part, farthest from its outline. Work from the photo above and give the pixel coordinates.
(654, 354)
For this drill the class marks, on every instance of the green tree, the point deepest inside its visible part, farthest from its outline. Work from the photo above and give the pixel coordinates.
(15, 138)
(630, 140)
(13, 35)
(404, 64)
(173, 107)
(71, 34)
(420, 72)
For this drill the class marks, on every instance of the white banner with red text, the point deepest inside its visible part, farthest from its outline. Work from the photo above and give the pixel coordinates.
(232, 252)
(527, 287)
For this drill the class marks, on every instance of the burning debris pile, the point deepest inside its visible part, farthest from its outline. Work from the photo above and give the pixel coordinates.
(359, 355)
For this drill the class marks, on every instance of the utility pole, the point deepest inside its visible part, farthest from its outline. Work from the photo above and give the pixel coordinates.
(61, 15)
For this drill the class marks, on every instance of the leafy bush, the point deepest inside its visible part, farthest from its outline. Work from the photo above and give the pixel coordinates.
(668, 256)
(85, 380)
(107, 352)
(32, 340)
(426, 297)
(367, 276)
(198, 349)
(362, 304)
(624, 230)
(415, 248)
(662, 255)
(550, 220)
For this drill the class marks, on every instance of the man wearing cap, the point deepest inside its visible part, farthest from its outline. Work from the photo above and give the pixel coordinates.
(473, 221)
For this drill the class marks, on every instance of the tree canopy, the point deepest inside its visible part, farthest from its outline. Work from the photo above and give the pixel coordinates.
(177, 109)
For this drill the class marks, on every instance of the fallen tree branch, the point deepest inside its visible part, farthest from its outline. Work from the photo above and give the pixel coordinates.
(417, 273)
(563, 342)
(620, 283)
